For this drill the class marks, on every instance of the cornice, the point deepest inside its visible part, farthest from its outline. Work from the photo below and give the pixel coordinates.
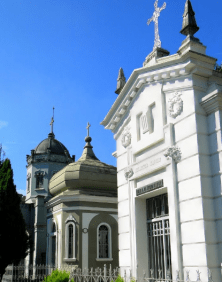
(166, 68)
(213, 100)
(79, 198)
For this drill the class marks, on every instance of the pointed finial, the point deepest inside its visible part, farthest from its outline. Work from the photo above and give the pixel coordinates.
(121, 81)
(189, 26)
(52, 121)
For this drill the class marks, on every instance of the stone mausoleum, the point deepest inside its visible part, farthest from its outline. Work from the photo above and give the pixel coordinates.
(167, 123)
(74, 207)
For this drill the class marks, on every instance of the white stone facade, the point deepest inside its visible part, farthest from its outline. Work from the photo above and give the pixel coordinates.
(167, 125)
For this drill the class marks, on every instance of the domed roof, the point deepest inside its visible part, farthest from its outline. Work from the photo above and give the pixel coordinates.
(51, 144)
(87, 172)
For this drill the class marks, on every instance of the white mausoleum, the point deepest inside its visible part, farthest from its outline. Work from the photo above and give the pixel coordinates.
(167, 122)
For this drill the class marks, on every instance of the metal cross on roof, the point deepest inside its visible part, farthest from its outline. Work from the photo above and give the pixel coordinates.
(88, 126)
(156, 14)
(52, 121)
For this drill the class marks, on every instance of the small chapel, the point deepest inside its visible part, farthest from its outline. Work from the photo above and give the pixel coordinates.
(167, 123)
(74, 205)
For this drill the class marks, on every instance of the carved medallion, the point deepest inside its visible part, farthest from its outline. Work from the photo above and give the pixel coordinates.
(175, 105)
(126, 137)
(128, 172)
(173, 152)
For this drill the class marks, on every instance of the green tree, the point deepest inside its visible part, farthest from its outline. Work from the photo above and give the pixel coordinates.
(14, 241)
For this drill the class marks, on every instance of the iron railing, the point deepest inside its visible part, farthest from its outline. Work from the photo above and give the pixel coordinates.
(38, 273)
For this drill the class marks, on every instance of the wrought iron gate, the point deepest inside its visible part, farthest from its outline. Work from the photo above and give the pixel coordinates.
(158, 232)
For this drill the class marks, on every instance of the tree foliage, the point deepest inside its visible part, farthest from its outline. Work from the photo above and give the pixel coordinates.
(58, 276)
(14, 240)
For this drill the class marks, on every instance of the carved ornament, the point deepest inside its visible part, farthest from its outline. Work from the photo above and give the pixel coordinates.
(70, 218)
(85, 230)
(28, 175)
(40, 172)
(175, 105)
(126, 137)
(173, 152)
(128, 173)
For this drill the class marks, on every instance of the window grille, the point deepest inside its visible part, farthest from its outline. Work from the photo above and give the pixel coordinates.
(39, 181)
(70, 253)
(103, 242)
(158, 231)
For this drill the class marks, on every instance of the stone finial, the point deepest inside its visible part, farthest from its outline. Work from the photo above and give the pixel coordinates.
(121, 81)
(52, 121)
(189, 26)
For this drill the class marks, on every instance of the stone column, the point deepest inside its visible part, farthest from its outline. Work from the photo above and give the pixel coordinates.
(40, 230)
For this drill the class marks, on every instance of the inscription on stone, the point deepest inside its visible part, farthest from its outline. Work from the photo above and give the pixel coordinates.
(150, 187)
(151, 163)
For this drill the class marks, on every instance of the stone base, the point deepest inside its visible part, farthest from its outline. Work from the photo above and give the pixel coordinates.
(155, 54)
(192, 43)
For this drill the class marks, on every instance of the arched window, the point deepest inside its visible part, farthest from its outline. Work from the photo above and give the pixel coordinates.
(70, 251)
(70, 238)
(104, 242)
(52, 244)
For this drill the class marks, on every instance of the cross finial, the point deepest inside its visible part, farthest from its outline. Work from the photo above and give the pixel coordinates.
(88, 126)
(156, 14)
(52, 121)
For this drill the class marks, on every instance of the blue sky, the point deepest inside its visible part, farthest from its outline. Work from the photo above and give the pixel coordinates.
(67, 54)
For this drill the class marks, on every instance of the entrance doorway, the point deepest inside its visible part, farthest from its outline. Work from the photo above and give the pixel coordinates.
(158, 232)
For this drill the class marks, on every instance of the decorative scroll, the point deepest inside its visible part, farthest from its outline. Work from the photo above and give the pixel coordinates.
(175, 105)
(173, 152)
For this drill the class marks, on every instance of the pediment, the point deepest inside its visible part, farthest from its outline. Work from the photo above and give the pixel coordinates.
(139, 79)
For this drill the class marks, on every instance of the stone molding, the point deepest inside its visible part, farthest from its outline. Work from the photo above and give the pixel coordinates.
(28, 175)
(128, 172)
(125, 123)
(175, 105)
(213, 100)
(173, 152)
(35, 158)
(70, 218)
(126, 137)
(155, 54)
(80, 198)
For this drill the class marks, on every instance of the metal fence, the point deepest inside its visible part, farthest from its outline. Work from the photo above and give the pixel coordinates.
(39, 273)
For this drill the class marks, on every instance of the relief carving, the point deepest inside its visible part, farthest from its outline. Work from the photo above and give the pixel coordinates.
(175, 105)
(126, 137)
(173, 152)
(128, 172)
(144, 123)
